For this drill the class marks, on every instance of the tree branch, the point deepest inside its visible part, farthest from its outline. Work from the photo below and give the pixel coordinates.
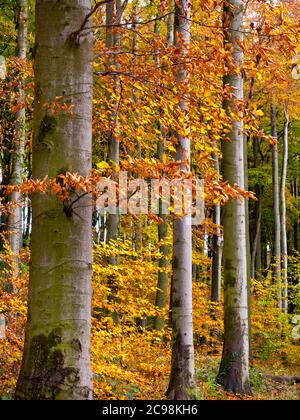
(75, 35)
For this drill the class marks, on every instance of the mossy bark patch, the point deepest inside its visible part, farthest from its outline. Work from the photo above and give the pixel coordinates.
(45, 370)
(47, 126)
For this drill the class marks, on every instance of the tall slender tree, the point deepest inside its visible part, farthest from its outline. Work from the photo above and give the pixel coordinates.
(283, 208)
(56, 360)
(257, 222)
(182, 379)
(276, 205)
(15, 217)
(295, 192)
(112, 42)
(217, 246)
(234, 368)
(162, 278)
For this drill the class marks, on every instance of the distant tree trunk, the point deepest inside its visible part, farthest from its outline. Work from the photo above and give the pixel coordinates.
(102, 228)
(162, 280)
(276, 204)
(256, 253)
(258, 258)
(170, 25)
(264, 254)
(56, 360)
(217, 248)
(283, 207)
(15, 217)
(256, 239)
(138, 224)
(5, 157)
(248, 245)
(295, 191)
(162, 277)
(182, 378)
(112, 42)
(234, 368)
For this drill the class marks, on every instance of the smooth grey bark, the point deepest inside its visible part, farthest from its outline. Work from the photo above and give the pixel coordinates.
(56, 359)
(234, 369)
(248, 245)
(217, 247)
(15, 217)
(162, 277)
(276, 206)
(256, 240)
(182, 378)
(295, 191)
(113, 42)
(162, 280)
(256, 236)
(248, 241)
(170, 25)
(283, 209)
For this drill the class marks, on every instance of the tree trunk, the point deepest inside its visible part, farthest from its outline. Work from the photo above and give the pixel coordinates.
(182, 379)
(283, 208)
(112, 41)
(162, 280)
(170, 26)
(15, 218)
(234, 368)
(248, 246)
(256, 239)
(217, 248)
(56, 360)
(162, 277)
(258, 259)
(276, 203)
(296, 222)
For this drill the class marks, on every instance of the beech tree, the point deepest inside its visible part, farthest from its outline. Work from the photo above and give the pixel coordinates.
(56, 361)
(162, 275)
(283, 207)
(113, 17)
(182, 379)
(15, 217)
(276, 204)
(216, 276)
(234, 368)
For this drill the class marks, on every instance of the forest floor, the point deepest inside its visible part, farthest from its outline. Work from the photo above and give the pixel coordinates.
(144, 375)
(263, 388)
(133, 363)
(153, 378)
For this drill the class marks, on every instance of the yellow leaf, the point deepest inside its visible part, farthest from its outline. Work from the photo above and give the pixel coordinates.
(103, 165)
